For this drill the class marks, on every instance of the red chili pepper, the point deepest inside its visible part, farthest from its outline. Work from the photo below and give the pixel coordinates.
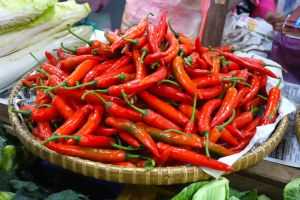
(164, 108)
(110, 36)
(251, 66)
(199, 47)
(240, 95)
(141, 71)
(54, 80)
(252, 126)
(272, 106)
(226, 136)
(80, 71)
(28, 107)
(121, 62)
(213, 79)
(190, 127)
(216, 65)
(73, 122)
(253, 90)
(185, 50)
(235, 131)
(263, 82)
(172, 137)
(111, 79)
(125, 164)
(51, 59)
(104, 50)
(145, 51)
(216, 148)
(129, 139)
(105, 131)
(182, 77)
(245, 118)
(193, 60)
(99, 155)
(226, 107)
(162, 27)
(41, 96)
(193, 158)
(35, 131)
(33, 77)
(132, 33)
(211, 92)
(226, 48)
(242, 144)
(62, 107)
(137, 132)
(170, 92)
(39, 114)
(54, 70)
(27, 83)
(228, 65)
(44, 130)
(62, 55)
(256, 102)
(152, 118)
(137, 43)
(152, 37)
(197, 72)
(187, 110)
(206, 56)
(70, 63)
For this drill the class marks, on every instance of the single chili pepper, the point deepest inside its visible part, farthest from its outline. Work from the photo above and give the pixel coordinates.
(263, 82)
(115, 109)
(62, 107)
(182, 77)
(137, 132)
(62, 55)
(73, 122)
(70, 63)
(125, 164)
(185, 50)
(111, 79)
(197, 72)
(213, 79)
(152, 118)
(252, 125)
(242, 144)
(54, 80)
(193, 158)
(121, 62)
(215, 132)
(33, 77)
(50, 69)
(137, 43)
(105, 131)
(145, 51)
(253, 90)
(89, 98)
(199, 47)
(216, 148)
(129, 139)
(51, 59)
(164, 90)
(256, 102)
(80, 71)
(193, 60)
(226, 136)
(187, 110)
(98, 70)
(28, 107)
(141, 71)
(95, 154)
(162, 27)
(38, 114)
(190, 127)
(132, 33)
(27, 83)
(152, 37)
(78, 51)
(235, 131)
(104, 50)
(41, 97)
(211, 92)
(262, 63)
(245, 64)
(228, 65)
(172, 137)
(245, 118)
(164, 108)
(44, 130)
(240, 95)
(272, 106)
(216, 64)
(206, 56)
(110, 36)
(226, 107)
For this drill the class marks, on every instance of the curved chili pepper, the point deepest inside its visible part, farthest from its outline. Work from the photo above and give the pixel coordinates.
(70, 63)
(272, 106)
(245, 118)
(62, 55)
(62, 107)
(228, 65)
(44, 130)
(121, 62)
(213, 79)
(141, 71)
(129, 139)
(211, 92)
(162, 27)
(50, 69)
(137, 132)
(187, 110)
(216, 148)
(145, 51)
(111, 79)
(39, 114)
(33, 77)
(105, 131)
(252, 125)
(100, 155)
(242, 144)
(226, 136)
(27, 83)
(170, 92)
(253, 90)
(164, 108)
(172, 137)
(73, 122)
(152, 37)
(111, 36)
(256, 102)
(190, 127)
(132, 33)
(193, 158)
(182, 78)
(199, 47)
(251, 66)
(185, 50)
(197, 72)
(240, 95)
(193, 60)
(226, 107)
(137, 43)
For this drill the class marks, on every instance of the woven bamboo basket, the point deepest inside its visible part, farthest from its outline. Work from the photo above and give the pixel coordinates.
(297, 124)
(134, 175)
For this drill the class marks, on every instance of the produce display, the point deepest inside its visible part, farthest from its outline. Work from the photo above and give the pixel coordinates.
(149, 97)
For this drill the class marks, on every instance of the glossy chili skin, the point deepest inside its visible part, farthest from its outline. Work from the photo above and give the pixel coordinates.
(226, 136)
(70, 63)
(193, 158)
(183, 78)
(162, 27)
(62, 107)
(52, 70)
(51, 59)
(226, 107)
(95, 154)
(121, 62)
(187, 110)
(197, 72)
(129, 139)
(172, 138)
(211, 92)
(255, 83)
(105, 131)
(164, 108)
(252, 126)
(137, 132)
(152, 37)
(141, 71)
(164, 90)
(44, 130)
(193, 60)
(39, 114)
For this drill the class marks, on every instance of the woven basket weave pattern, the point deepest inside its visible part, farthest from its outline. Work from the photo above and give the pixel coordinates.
(297, 124)
(157, 176)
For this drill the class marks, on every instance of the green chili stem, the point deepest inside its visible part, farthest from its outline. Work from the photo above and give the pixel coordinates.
(144, 53)
(142, 111)
(132, 41)
(279, 82)
(172, 30)
(168, 81)
(94, 82)
(263, 97)
(23, 112)
(220, 127)
(129, 148)
(106, 104)
(94, 51)
(43, 72)
(176, 131)
(194, 108)
(43, 106)
(77, 138)
(74, 50)
(274, 111)
(80, 38)
(121, 77)
(35, 58)
(206, 134)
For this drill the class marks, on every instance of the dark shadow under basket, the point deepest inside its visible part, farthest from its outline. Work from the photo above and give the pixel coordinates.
(134, 175)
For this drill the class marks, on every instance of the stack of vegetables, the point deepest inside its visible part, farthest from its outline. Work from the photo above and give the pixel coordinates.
(149, 97)
(35, 26)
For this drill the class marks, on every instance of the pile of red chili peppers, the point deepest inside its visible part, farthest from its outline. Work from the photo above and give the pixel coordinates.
(149, 97)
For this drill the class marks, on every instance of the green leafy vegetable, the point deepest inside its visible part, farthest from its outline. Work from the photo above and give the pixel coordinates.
(292, 190)
(188, 192)
(67, 195)
(6, 195)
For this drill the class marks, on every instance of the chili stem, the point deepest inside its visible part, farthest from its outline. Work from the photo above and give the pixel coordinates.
(142, 111)
(35, 58)
(68, 49)
(194, 108)
(129, 148)
(168, 81)
(77, 138)
(176, 131)
(80, 38)
(220, 127)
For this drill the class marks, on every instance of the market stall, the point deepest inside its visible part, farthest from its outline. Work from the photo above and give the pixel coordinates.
(148, 105)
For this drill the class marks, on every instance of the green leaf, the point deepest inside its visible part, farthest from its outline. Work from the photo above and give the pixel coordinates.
(292, 190)
(17, 184)
(27, 190)
(246, 195)
(188, 192)
(67, 195)
(4, 178)
(6, 195)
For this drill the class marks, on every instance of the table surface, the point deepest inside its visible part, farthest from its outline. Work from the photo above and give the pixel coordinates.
(267, 177)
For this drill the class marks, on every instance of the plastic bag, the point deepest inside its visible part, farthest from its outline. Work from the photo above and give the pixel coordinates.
(184, 14)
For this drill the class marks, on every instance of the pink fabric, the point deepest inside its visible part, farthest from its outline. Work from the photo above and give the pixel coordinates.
(263, 8)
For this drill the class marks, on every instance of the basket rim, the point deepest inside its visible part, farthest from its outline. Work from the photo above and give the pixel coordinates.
(297, 123)
(131, 174)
